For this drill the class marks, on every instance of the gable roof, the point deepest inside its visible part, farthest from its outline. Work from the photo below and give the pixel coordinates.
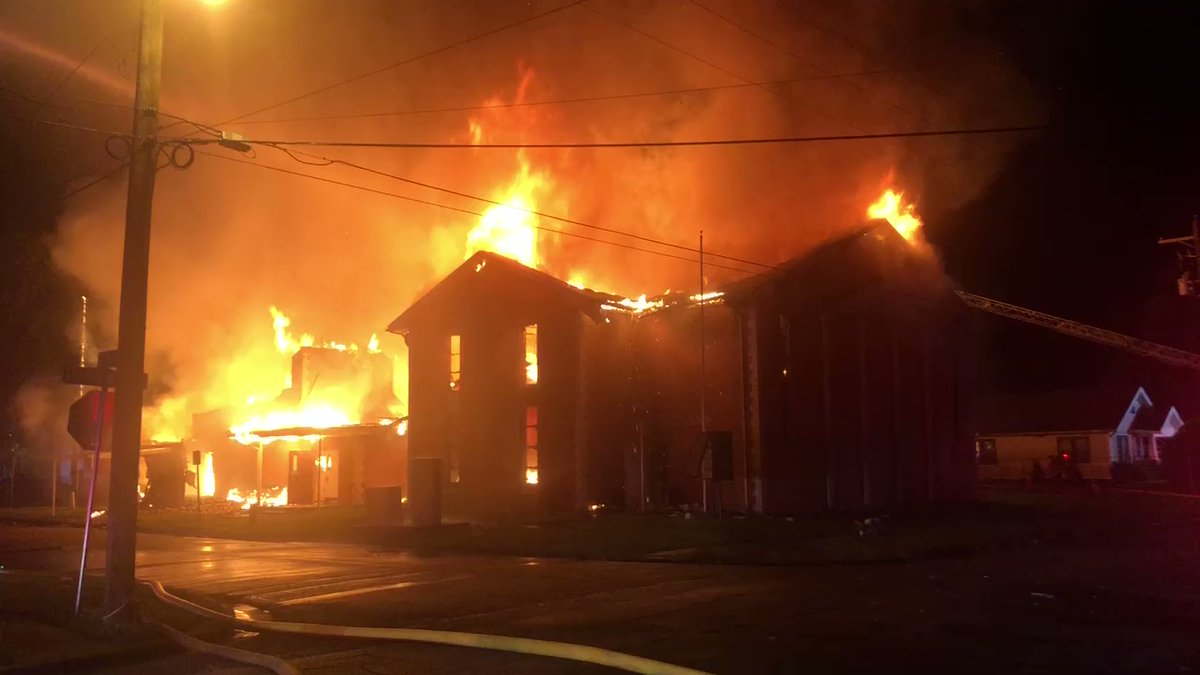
(1076, 410)
(872, 259)
(481, 275)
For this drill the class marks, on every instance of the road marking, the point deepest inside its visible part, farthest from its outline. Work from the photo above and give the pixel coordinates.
(362, 591)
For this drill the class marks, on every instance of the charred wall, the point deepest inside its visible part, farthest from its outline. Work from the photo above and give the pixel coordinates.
(478, 427)
(667, 350)
(862, 382)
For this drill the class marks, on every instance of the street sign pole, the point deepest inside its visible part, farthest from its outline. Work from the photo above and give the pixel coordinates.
(91, 502)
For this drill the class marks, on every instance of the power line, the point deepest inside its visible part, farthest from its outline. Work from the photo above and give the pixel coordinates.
(710, 64)
(97, 180)
(645, 144)
(426, 202)
(65, 125)
(763, 39)
(560, 101)
(404, 61)
(106, 104)
(666, 44)
(326, 161)
(67, 78)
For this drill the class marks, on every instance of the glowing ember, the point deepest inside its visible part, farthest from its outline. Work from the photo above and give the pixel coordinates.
(402, 427)
(706, 297)
(891, 207)
(97, 514)
(317, 416)
(275, 496)
(641, 304)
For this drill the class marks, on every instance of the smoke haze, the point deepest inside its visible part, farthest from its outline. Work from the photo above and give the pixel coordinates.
(231, 240)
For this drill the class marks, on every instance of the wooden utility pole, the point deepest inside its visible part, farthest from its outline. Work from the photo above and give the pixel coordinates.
(131, 335)
(1189, 280)
(703, 387)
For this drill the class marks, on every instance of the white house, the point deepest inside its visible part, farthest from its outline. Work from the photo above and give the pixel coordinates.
(1091, 429)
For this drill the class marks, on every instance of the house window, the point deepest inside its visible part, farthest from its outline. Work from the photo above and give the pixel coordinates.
(1074, 449)
(531, 354)
(985, 451)
(531, 445)
(1123, 448)
(455, 360)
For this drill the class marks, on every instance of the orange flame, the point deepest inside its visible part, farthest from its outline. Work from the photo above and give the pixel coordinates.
(510, 228)
(891, 207)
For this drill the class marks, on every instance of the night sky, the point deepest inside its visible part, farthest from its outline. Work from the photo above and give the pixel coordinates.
(1069, 225)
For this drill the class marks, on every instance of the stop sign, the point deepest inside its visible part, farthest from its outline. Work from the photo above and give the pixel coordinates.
(85, 415)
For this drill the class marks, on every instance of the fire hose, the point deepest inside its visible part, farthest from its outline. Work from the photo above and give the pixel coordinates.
(504, 643)
(272, 663)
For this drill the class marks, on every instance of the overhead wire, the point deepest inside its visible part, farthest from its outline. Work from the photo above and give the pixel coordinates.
(642, 144)
(668, 45)
(67, 78)
(109, 104)
(699, 59)
(788, 52)
(404, 61)
(562, 101)
(449, 207)
(97, 180)
(64, 125)
(710, 64)
(863, 90)
(326, 161)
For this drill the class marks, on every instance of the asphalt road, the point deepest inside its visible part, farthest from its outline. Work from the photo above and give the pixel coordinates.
(1041, 609)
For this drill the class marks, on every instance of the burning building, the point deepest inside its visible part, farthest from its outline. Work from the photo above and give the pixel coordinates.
(328, 437)
(838, 378)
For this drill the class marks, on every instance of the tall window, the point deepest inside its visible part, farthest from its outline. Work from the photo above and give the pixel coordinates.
(1122, 448)
(455, 360)
(531, 354)
(531, 445)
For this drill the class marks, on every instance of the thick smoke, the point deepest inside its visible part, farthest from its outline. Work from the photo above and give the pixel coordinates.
(231, 240)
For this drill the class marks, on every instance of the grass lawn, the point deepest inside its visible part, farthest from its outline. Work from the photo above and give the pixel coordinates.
(1000, 517)
(38, 629)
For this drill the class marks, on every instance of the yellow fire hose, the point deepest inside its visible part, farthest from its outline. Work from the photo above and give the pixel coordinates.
(558, 650)
(272, 663)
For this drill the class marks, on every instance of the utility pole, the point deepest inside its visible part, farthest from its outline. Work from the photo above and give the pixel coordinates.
(703, 386)
(131, 329)
(1189, 280)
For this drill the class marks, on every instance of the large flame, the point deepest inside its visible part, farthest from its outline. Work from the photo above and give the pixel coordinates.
(510, 229)
(208, 478)
(891, 207)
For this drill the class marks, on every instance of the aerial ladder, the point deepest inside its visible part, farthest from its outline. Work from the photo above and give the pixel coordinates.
(1153, 350)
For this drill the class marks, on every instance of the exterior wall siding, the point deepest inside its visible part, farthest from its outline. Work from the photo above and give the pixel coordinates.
(1015, 455)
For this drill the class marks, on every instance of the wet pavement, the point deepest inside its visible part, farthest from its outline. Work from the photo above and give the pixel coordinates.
(1053, 608)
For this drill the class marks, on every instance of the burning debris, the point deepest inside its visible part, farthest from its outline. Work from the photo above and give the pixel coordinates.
(275, 496)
